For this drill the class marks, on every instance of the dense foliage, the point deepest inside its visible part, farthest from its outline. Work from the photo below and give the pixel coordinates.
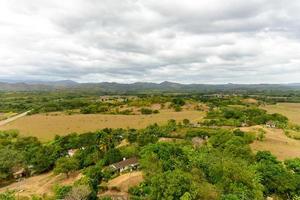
(238, 116)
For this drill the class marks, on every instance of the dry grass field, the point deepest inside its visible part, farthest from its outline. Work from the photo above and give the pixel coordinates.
(290, 110)
(276, 142)
(46, 127)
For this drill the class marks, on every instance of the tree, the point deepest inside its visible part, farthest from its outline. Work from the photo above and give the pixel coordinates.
(112, 156)
(66, 165)
(186, 122)
(293, 164)
(9, 195)
(146, 111)
(172, 185)
(79, 192)
(275, 177)
(61, 191)
(178, 101)
(8, 159)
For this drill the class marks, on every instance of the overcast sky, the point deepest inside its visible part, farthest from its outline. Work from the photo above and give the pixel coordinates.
(187, 41)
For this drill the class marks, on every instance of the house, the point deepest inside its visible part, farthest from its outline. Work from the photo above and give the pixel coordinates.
(71, 152)
(270, 124)
(195, 125)
(20, 173)
(244, 124)
(198, 141)
(126, 164)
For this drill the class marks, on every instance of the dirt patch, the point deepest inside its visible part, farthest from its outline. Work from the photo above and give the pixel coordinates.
(250, 100)
(126, 181)
(118, 187)
(41, 184)
(45, 127)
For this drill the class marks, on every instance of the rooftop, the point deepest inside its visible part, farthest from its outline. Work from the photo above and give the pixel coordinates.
(124, 163)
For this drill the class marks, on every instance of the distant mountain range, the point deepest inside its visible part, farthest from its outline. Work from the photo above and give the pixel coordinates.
(142, 87)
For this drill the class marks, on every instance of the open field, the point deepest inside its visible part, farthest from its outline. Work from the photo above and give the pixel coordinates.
(290, 110)
(40, 184)
(276, 142)
(45, 127)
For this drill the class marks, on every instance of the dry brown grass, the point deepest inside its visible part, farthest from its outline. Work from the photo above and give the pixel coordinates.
(276, 142)
(41, 184)
(46, 127)
(290, 110)
(250, 101)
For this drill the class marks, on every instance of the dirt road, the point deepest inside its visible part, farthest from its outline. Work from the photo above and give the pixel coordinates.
(6, 121)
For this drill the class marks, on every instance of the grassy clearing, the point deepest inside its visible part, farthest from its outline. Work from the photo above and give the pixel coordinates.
(45, 127)
(290, 110)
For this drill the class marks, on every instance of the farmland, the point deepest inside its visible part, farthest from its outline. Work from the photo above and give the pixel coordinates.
(46, 126)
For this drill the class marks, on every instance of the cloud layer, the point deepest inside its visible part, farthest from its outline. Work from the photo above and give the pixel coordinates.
(187, 41)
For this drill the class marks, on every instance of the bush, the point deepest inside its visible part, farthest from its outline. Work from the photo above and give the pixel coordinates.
(146, 111)
(61, 192)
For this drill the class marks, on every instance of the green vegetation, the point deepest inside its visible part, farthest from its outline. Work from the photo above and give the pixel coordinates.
(221, 166)
(247, 116)
(147, 111)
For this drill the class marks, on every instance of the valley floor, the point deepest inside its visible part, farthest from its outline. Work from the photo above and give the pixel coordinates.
(45, 127)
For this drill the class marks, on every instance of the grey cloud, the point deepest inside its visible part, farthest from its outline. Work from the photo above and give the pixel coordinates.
(135, 40)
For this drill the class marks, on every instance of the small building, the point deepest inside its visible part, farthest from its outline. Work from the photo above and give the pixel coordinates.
(244, 124)
(270, 124)
(198, 141)
(195, 125)
(71, 152)
(126, 164)
(19, 173)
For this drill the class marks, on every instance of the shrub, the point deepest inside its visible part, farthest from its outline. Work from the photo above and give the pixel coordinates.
(146, 111)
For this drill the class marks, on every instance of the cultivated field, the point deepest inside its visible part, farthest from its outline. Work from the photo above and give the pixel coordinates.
(291, 110)
(46, 127)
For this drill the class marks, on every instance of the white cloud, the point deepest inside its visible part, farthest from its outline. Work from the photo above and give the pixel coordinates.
(146, 40)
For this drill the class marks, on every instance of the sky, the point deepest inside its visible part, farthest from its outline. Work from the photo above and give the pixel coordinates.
(190, 41)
